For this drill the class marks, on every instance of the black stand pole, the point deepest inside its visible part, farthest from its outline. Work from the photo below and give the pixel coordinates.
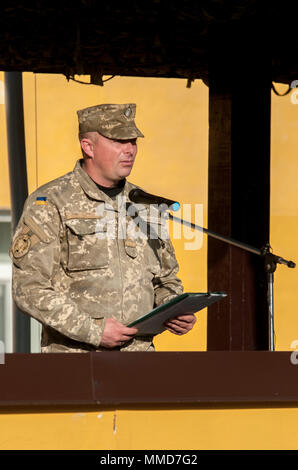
(270, 263)
(18, 184)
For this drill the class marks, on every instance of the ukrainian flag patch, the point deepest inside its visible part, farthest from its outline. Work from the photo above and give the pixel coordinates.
(41, 201)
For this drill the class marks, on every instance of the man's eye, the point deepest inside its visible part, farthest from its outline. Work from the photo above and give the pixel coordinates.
(119, 141)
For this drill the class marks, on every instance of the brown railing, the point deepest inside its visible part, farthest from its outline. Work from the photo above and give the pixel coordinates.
(160, 378)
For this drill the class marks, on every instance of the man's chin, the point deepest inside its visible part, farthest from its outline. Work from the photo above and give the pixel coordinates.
(125, 172)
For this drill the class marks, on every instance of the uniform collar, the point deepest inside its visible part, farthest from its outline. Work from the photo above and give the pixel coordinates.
(90, 188)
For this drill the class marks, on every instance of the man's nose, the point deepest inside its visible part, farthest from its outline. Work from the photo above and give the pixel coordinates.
(129, 147)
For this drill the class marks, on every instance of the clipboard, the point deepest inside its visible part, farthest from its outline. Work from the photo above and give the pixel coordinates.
(152, 323)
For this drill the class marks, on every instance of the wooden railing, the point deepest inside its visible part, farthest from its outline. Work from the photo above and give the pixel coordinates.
(156, 378)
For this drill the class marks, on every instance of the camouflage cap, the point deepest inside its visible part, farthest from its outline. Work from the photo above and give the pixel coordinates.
(115, 121)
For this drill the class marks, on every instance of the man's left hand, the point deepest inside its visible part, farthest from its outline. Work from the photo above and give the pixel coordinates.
(181, 325)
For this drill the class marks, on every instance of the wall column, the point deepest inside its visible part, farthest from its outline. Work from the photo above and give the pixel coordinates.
(239, 195)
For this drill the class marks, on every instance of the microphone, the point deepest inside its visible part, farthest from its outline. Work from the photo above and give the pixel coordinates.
(290, 264)
(139, 196)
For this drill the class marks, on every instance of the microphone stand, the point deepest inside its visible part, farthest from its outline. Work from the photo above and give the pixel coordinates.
(270, 263)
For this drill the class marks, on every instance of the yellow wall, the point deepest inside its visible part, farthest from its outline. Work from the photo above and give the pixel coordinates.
(203, 429)
(284, 213)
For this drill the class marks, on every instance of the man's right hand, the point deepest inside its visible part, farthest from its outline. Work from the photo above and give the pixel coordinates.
(116, 334)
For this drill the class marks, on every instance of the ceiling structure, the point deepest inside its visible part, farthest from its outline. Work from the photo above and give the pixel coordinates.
(154, 38)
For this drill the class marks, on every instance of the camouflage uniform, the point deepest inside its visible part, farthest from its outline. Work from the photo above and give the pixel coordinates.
(70, 276)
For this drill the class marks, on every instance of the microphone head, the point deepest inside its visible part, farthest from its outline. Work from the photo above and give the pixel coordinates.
(139, 196)
(134, 194)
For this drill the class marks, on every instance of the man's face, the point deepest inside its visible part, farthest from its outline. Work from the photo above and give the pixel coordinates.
(110, 160)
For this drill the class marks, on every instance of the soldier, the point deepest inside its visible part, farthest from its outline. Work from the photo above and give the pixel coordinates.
(80, 279)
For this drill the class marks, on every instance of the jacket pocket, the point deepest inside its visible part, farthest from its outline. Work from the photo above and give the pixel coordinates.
(87, 245)
(156, 242)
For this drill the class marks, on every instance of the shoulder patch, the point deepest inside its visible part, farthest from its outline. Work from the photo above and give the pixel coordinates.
(41, 201)
(21, 245)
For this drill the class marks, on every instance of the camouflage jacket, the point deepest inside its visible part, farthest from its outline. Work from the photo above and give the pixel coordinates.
(70, 273)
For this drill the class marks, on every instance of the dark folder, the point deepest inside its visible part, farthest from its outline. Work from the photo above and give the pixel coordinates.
(152, 323)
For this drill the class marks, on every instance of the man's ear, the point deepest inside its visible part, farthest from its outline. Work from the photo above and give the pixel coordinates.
(87, 147)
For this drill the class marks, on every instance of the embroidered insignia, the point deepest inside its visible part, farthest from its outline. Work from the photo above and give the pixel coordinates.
(21, 246)
(127, 112)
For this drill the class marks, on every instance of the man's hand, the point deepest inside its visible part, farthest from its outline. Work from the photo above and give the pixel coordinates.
(115, 334)
(181, 325)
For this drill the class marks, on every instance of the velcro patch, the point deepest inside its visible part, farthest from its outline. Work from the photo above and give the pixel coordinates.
(41, 201)
(21, 245)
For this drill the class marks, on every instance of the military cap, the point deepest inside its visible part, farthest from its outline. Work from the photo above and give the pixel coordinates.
(115, 121)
